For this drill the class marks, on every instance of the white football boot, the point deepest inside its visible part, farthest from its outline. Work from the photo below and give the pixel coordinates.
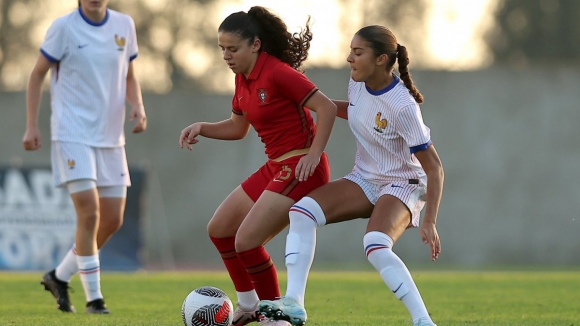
(242, 317)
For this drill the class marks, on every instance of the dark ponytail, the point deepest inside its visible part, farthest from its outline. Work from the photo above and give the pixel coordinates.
(403, 60)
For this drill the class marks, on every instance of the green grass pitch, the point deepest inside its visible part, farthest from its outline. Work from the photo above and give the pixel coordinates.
(333, 298)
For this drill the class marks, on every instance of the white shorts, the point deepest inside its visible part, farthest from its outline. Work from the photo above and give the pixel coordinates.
(411, 194)
(76, 161)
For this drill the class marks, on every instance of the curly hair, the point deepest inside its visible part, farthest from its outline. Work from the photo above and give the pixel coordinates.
(277, 41)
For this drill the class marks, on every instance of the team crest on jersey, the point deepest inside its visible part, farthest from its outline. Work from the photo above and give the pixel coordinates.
(120, 42)
(71, 164)
(381, 123)
(262, 95)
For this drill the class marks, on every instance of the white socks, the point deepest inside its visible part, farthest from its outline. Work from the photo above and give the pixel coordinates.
(305, 216)
(247, 301)
(68, 267)
(378, 248)
(90, 272)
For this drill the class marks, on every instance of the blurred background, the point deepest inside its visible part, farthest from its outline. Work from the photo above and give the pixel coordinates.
(501, 80)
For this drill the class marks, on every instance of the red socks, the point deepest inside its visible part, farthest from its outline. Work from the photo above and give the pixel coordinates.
(238, 274)
(262, 272)
(249, 270)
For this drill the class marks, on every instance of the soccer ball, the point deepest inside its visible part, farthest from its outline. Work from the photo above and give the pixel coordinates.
(207, 306)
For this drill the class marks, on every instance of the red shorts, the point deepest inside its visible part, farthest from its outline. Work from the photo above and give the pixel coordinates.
(280, 177)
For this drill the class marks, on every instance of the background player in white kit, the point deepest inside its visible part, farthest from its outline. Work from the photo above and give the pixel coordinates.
(90, 52)
(397, 169)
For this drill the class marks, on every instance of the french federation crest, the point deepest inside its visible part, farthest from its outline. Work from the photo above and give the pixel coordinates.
(120, 42)
(381, 124)
(262, 95)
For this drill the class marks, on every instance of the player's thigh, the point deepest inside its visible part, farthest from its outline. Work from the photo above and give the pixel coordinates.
(342, 200)
(86, 203)
(230, 214)
(267, 218)
(390, 216)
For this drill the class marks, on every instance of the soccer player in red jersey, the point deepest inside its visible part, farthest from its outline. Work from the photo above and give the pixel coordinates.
(273, 96)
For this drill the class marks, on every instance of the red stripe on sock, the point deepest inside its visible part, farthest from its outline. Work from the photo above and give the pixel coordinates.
(262, 272)
(237, 271)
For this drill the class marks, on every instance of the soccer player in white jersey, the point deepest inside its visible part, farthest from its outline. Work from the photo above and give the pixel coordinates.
(396, 171)
(90, 52)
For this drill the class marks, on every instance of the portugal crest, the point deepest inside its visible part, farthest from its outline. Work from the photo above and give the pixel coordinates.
(262, 95)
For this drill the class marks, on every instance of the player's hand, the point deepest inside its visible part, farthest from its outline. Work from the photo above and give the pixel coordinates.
(31, 139)
(430, 236)
(189, 135)
(138, 114)
(306, 166)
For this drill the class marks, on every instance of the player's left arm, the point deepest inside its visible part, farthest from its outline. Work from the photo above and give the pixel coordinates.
(432, 166)
(135, 99)
(325, 115)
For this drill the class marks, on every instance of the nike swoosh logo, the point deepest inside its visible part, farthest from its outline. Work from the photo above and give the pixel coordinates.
(395, 291)
(292, 253)
(83, 45)
(350, 104)
(395, 186)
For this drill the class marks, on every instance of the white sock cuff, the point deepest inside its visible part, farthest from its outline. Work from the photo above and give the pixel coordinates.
(376, 240)
(88, 261)
(68, 266)
(310, 208)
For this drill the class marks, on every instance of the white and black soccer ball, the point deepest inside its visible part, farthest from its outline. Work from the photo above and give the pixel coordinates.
(207, 306)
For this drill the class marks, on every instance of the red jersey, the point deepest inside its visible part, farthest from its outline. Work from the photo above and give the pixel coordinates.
(272, 99)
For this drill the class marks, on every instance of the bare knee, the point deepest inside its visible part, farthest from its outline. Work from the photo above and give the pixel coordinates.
(217, 229)
(88, 221)
(248, 237)
(244, 244)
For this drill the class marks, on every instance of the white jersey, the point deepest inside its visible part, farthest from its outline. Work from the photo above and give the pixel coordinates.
(89, 78)
(389, 128)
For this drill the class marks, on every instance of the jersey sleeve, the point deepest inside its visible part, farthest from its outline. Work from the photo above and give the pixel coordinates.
(293, 85)
(133, 47)
(409, 124)
(55, 43)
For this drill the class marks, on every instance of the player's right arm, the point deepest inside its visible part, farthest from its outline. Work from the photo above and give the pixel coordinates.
(234, 128)
(31, 139)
